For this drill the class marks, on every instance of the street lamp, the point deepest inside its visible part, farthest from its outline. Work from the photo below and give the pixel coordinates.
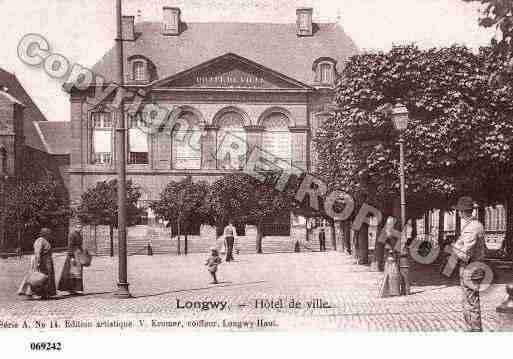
(400, 117)
(123, 285)
(3, 155)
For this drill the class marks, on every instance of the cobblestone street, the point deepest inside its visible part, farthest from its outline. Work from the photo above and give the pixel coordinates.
(162, 284)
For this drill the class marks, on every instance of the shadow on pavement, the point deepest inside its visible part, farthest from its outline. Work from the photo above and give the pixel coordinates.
(220, 285)
(431, 275)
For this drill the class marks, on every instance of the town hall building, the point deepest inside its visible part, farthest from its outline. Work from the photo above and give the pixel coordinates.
(268, 84)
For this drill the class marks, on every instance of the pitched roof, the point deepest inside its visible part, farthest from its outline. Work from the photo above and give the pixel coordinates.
(275, 46)
(55, 136)
(31, 112)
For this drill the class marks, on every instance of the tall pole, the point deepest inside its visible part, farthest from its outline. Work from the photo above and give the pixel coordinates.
(122, 291)
(3, 154)
(403, 261)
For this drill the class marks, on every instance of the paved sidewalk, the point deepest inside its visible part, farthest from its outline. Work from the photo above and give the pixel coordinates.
(162, 284)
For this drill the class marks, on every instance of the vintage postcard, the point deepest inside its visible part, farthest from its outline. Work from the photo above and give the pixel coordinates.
(172, 166)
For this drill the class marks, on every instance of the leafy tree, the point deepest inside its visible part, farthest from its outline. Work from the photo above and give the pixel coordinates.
(33, 205)
(241, 198)
(99, 206)
(457, 140)
(182, 203)
(498, 14)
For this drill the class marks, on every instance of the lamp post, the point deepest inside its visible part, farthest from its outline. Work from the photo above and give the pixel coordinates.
(400, 117)
(3, 159)
(122, 291)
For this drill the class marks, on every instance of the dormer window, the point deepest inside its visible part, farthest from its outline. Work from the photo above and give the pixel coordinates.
(326, 73)
(324, 70)
(139, 69)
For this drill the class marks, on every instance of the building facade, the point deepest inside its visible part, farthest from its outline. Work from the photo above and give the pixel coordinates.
(227, 86)
(35, 148)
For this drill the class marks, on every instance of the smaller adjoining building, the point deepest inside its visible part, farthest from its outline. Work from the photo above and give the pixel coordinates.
(35, 148)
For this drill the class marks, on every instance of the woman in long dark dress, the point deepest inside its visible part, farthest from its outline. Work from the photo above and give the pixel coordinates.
(43, 262)
(71, 279)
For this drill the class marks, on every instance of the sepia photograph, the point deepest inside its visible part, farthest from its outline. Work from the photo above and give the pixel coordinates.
(255, 166)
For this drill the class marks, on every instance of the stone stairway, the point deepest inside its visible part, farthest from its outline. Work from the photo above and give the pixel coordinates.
(243, 245)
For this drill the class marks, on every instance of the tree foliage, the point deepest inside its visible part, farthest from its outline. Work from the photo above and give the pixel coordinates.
(458, 139)
(33, 205)
(183, 202)
(99, 204)
(36, 204)
(240, 197)
(497, 14)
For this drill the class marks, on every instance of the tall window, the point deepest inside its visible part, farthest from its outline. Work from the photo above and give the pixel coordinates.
(101, 138)
(186, 145)
(277, 139)
(139, 70)
(137, 141)
(231, 142)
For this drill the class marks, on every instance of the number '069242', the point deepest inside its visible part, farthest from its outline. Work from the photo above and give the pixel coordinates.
(46, 346)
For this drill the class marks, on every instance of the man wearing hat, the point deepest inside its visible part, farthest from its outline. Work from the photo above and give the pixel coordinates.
(469, 248)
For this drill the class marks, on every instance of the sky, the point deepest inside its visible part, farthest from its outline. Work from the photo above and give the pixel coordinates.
(83, 30)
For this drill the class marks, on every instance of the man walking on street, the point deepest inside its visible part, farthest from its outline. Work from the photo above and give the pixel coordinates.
(229, 239)
(470, 248)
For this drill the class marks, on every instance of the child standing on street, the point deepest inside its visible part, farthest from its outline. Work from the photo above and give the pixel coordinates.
(212, 262)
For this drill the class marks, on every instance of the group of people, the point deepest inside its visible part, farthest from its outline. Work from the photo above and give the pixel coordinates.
(42, 264)
(214, 259)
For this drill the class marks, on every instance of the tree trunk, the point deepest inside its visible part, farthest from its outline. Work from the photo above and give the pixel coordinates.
(481, 215)
(427, 225)
(508, 236)
(354, 244)
(20, 241)
(457, 227)
(111, 234)
(346, 230)
(95, 240)
(414, 229)
(441, 227)
(333, 237)
(186, 245)
(259, 238)
(363, 245)
(379, 250)
(178, 249)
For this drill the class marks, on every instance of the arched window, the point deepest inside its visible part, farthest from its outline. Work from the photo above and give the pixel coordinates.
(186, 142)
(139, 70)
(277, 139)
(231, 141)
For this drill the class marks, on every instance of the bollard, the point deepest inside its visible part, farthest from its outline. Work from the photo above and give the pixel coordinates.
(150, 249)
(404, 269)
(505, 311)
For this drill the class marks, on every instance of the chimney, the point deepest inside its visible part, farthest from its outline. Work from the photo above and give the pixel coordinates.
(171, 24)
(127, 28)
(304, 21)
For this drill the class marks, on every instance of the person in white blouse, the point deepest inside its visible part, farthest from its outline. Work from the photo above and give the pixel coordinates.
(229, 234)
